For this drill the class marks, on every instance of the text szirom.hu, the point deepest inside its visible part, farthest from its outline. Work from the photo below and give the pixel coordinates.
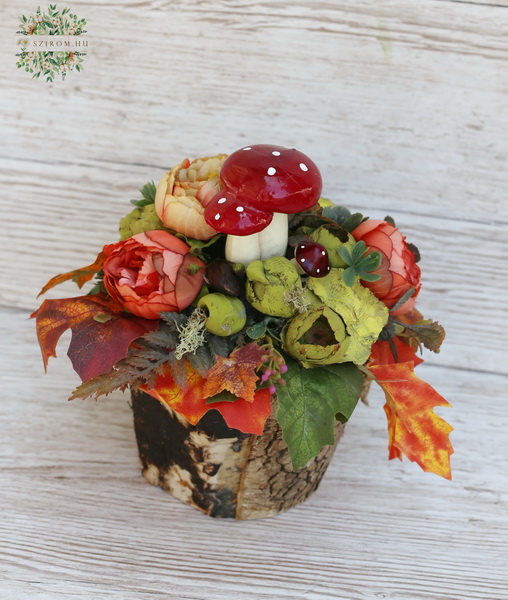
(62, 43)
(59, 44)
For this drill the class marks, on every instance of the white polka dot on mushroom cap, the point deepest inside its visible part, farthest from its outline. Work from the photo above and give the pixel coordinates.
(323, 252)
(221, 201)
(304, 167)
(276, 153)
(272, 171)
(217, 216)
(248, 148)
(239, 209)
(302, 259)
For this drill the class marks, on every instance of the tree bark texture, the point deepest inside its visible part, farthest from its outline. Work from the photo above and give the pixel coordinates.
(222, 471)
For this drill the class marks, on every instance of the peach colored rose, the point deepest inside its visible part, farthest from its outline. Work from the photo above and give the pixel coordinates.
(152, 272)
(399, 271)
(184, 192)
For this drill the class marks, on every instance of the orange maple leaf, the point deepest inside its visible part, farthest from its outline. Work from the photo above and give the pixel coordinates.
(237, 373)
(191, 402)
(381, 353)
(79, 276)
(413, 427)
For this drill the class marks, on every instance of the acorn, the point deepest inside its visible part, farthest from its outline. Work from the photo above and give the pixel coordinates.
(222, 277)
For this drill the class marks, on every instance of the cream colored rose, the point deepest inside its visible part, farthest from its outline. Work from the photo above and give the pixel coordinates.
(184, 192)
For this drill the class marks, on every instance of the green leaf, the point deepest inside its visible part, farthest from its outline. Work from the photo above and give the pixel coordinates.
(371, 262)
(349, 276)
(353, 221)
(201, 359)
(343, 217)
(148, 192)
(345, 255)
(415, 251)
(223, 396)
(220, 345)
(390, 220)
(358, 251)
(336, 213)
(256, 331)
(359, 264)
(309, 404)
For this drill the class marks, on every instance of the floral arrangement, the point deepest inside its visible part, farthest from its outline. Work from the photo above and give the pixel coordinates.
(236, 287)
(50, 65)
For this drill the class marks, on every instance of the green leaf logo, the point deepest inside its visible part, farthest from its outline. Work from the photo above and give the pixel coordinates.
(57, 63)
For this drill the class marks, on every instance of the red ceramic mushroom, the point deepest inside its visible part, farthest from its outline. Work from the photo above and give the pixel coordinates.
(259, 182)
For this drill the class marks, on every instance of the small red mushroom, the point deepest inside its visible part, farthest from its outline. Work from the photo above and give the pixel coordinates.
(262, 185)
(313, 258)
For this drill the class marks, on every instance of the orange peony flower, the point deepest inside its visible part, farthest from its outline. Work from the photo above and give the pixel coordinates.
(399, 271)
(184, 192)
(152, 272)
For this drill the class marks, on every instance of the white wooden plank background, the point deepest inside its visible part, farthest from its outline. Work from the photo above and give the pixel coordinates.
(402, 103)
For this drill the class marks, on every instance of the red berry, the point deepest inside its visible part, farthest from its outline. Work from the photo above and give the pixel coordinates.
(313, 258)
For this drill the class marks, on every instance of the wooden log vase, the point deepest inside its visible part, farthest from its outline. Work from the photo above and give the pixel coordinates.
(222, 471)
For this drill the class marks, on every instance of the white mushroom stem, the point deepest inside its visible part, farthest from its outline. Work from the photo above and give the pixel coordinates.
(272, 241)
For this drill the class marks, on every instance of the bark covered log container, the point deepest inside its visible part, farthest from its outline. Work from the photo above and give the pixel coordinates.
(221, 471)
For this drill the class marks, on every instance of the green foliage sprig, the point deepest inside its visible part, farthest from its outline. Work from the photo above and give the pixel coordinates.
(147, 192)
(343, 217)
(360, 263)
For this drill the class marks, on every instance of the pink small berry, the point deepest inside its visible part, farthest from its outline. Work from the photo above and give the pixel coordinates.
(272, 389)
(283, 368)
(265, 376)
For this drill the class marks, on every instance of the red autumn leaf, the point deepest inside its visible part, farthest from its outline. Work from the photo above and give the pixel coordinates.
(249, 417)
(96, 345)
(191, 403)
(237, 373)
(79, 276)
(414, 429)
(412, 316)
(382, 354)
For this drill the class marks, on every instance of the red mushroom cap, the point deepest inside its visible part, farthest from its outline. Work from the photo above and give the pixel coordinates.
(262, 179)
(232, 215)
